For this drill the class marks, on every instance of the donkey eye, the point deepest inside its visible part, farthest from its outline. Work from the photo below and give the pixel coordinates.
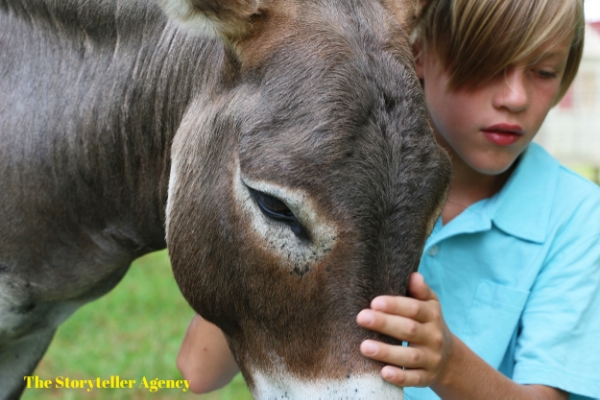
(274, 208)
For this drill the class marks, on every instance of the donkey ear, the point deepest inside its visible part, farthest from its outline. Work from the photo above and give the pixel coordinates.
(408, 12)
(228, 18)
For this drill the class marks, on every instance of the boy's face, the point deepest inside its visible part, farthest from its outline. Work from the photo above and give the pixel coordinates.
(489, 127)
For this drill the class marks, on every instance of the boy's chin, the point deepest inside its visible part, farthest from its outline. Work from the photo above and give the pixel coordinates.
(499, 167)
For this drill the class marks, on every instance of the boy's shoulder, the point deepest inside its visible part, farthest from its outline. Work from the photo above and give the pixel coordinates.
(577, 202)
(543, 198)
(573, 196)
(569, 184)
(572, 181)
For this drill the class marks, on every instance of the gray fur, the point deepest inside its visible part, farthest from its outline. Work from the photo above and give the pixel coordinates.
(93, 94)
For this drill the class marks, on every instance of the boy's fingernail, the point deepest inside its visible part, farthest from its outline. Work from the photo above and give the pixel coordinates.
(366, 318)
(378, 304)
(388, 373)
(369, 348)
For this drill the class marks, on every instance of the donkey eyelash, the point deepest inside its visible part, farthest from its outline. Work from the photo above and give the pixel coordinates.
(275, 209)
(272, 207)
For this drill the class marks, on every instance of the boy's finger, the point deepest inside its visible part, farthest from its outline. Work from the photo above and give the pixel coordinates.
(402, 356)
(405, 377)
(403, 306)
(394, 326)
(418, 289)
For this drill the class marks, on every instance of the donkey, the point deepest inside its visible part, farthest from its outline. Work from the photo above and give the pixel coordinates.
(279, 148)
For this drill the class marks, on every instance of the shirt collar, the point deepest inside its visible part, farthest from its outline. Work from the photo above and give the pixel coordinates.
(522, 208)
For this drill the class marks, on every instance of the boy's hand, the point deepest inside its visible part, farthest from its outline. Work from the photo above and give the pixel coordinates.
(418, 321)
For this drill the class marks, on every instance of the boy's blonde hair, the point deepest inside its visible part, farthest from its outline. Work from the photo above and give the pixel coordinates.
(476, 40)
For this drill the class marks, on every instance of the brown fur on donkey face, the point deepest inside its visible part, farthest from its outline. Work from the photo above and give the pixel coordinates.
(301, 171)
(305, 183)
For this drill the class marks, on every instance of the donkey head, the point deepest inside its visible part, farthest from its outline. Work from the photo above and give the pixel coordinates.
(304, 182)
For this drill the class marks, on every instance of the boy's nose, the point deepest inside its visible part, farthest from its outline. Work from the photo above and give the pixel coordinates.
(512, 93)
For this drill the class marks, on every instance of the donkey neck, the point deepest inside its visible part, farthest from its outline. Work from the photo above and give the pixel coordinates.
(113, 82)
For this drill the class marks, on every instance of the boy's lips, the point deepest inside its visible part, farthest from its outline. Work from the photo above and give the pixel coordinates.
(503, 134)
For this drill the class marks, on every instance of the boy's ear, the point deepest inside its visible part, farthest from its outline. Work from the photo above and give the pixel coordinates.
(408, 12)
(230, 19)
(417, 50)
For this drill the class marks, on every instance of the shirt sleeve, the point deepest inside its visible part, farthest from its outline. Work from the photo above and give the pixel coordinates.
(558, 341)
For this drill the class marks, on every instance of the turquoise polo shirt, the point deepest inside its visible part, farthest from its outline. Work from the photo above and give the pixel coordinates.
(518, 277)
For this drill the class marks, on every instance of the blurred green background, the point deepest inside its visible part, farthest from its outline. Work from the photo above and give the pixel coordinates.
(132, 332)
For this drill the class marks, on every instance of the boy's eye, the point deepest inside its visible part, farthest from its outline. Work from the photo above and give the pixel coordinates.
(545, 74)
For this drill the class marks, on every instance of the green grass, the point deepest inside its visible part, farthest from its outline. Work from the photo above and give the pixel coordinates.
(135, 331)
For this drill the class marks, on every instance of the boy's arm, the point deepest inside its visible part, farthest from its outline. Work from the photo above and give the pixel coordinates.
(435, 357)
(204, 358)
